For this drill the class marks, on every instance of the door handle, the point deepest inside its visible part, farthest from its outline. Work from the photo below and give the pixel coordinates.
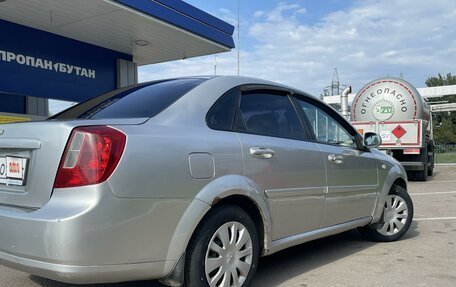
(261, 152)
(338, 159)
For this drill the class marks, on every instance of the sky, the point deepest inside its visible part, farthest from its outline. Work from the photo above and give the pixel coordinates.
(300, 42)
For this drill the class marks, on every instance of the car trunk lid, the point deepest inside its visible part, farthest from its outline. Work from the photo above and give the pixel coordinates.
(30, 154)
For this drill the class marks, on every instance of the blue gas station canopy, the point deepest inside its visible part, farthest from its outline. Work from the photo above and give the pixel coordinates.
(152, 31)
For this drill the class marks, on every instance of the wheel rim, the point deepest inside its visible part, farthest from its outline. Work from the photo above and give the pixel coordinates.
(395, 215)
(229, 255)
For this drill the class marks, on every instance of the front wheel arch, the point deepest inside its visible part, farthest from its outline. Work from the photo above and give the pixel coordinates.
(395, 219)
(400, 182)
(396, 176)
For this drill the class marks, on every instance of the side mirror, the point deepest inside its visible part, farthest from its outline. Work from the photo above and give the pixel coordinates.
(372, 140)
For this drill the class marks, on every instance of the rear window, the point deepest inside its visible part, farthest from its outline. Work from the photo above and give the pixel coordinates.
(143, 100)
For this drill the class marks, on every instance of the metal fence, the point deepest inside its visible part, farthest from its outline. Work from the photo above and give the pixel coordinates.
(445, 153)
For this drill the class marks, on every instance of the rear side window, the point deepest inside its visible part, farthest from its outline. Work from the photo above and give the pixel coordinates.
(221, 115)
(270, 114)
(144, 100)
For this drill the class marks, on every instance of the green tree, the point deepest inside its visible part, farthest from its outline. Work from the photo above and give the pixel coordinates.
(444, 123)
(445, 134)
(441, 81)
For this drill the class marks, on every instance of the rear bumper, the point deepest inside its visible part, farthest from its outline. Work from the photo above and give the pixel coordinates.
(88, 235)
(84, 274)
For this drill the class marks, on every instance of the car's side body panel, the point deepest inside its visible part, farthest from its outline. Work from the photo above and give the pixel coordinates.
(158, 160)
(316, 234)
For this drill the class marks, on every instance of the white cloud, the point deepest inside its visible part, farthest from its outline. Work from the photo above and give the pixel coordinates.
(258, 14)
(226, 15)
(390, 53)
(369, 40)
(277, 14)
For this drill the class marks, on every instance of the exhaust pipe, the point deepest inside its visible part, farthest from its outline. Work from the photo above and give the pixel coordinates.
(344, 102)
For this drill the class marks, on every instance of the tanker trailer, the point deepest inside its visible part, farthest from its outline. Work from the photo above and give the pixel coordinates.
(395, 110)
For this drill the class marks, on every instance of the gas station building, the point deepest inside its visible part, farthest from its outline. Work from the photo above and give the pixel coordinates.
(75, 50)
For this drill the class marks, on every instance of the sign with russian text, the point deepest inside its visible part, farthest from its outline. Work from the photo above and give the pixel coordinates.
(41, 64)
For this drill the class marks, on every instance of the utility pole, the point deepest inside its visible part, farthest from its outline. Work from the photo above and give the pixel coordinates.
(238, 41)
(215, 65)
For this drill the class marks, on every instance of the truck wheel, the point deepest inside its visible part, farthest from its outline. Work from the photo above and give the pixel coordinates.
(422, 175)
(224, 250)
(396, 217)
(431, 158)
(430, 171)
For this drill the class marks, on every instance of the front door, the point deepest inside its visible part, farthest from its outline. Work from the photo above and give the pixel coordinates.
(352, 178)
(352, 184)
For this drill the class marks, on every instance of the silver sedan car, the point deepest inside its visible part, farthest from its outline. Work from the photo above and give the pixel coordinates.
(189, 181)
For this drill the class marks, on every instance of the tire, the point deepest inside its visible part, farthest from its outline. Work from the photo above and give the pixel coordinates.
(396, 217)
(233, 261)
(431, 158)
(410, 175)
(423, 175)
(431, 171)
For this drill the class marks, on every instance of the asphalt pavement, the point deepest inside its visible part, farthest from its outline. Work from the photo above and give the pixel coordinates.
(425, 256)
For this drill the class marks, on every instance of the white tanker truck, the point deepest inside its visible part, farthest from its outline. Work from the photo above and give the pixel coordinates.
(395, 110)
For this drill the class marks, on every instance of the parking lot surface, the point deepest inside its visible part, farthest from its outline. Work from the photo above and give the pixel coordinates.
(425, 256)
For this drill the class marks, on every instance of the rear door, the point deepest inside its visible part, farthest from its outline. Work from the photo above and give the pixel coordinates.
(351, 172)
(278, 162)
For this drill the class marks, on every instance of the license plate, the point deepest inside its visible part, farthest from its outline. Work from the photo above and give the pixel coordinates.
(411, 151)
(12, 170)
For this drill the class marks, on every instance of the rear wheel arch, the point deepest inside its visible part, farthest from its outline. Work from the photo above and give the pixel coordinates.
(221, 216)
(252, 209)
(235, 189)
(227, 190)
(248, 205)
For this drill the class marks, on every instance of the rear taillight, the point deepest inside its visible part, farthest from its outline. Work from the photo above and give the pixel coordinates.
(90, 157)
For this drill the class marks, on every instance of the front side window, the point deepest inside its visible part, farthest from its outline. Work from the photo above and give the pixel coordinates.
(268, 113)
(326, 129)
